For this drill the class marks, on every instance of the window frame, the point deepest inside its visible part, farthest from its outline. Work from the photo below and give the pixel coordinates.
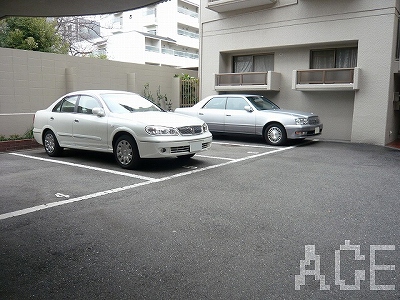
(223, 99)
(88, 111)
(252, 61)
(335, 56)
(59, 106)
(231, 105)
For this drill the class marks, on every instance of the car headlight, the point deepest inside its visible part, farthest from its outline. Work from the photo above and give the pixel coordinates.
(205, 127)
(301, 121)
(160, 130)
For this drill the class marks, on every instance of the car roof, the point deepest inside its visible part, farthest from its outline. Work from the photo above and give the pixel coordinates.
(97, 92)
(229, 95)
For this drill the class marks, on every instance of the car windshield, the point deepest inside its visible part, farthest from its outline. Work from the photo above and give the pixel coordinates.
(128, 103)
(262, 103)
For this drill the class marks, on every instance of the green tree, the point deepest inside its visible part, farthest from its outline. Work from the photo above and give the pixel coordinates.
(28, 33)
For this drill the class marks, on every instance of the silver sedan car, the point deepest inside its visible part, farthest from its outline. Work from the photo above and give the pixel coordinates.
(119, 122)
(254, 115)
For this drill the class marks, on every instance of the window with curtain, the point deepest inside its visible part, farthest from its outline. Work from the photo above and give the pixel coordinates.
(334, 58)
(253, 63)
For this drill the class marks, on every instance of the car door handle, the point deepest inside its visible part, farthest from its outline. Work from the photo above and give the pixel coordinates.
(201, 114)
(228, 115)
(76, 121)
(52, 119)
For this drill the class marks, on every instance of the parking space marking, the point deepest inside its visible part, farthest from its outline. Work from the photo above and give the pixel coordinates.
(236, 145)
(63, 202)
(216, 157)
(85, 167)
(148, 180)
(246, 145)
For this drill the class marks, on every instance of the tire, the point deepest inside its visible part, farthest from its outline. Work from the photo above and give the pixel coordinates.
(275, 135)
(51, 145)
(126, 152)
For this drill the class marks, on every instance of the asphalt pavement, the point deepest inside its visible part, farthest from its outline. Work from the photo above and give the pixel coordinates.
(312, 220)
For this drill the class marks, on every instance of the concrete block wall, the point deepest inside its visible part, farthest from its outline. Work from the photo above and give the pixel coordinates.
(31, 80)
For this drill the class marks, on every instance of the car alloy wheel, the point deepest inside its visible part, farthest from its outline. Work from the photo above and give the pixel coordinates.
(51, 144)
(275, 135)
(126, 153)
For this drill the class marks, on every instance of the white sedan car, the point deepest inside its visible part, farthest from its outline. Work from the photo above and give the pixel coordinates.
(254, 115)
(119, 122)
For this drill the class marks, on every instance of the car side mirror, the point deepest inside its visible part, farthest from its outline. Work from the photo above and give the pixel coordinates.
(248, 108)
(98, 111)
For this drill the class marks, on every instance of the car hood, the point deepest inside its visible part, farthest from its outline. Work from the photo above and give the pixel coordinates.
(169, 119)
(294, 113)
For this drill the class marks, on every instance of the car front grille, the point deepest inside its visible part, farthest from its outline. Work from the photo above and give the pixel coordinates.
(313, 120)
(182, 149)
(205, 145)
(190, 130)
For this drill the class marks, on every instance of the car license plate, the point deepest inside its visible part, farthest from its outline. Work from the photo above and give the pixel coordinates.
(316, 130)
(195, 146)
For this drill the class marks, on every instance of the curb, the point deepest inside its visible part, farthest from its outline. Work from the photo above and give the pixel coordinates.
(13, 145)
(394, 145)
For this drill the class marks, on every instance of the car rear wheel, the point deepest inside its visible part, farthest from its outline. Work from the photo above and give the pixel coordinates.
(50, 144)
(126, 152)
(275, 135)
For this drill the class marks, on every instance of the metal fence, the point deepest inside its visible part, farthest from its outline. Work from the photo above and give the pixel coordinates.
(189, 92)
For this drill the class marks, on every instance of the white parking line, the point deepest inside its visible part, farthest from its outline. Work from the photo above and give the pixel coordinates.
(247, 145)
(58, 203)
(216, 157)
(236, 145)
(148, 180)
(85, 167)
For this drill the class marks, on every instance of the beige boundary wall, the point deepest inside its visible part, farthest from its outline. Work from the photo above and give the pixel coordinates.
(31, 80)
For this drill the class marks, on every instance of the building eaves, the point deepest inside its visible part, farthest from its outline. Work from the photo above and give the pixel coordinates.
(62, 8)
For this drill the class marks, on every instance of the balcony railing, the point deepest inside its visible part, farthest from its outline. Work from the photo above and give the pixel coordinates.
(325, 76)
(326, 79)
(247, 81)
(178, 53)
(188, 12)
(229, 5)
(150, 48)
(187, 33)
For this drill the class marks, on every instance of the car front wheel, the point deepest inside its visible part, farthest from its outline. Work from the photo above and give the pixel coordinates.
(50, 144)
(275, 134)
(126, 152)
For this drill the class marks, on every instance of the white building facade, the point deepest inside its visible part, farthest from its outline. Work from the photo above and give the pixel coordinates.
(163, 34)
(338, 59)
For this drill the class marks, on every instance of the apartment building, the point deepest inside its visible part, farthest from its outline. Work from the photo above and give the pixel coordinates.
(339, 59)
(163, 34)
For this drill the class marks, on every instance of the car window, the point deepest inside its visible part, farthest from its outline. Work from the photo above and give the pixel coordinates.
(236, 103)
(67, 104)
(128, 103)
(262, 103)
(216, 103)
(86, 104)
